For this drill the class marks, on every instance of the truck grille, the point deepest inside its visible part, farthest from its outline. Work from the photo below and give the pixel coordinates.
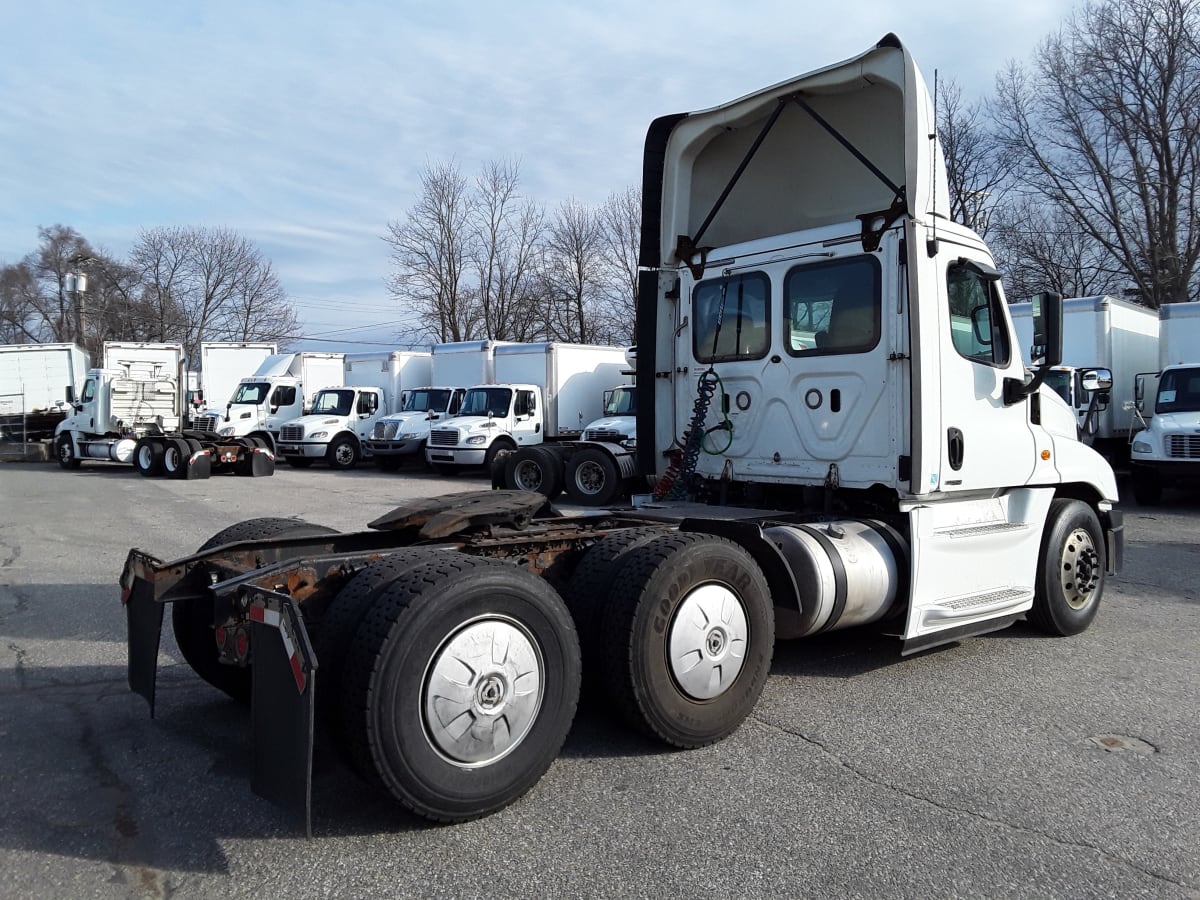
(206, 423)
(443, 437)
(384, 431)
(1183, 446)
(291, 433)
(603, 434)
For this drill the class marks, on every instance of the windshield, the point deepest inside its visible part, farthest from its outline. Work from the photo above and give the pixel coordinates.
(334, 403)
(486, 401)
(1178, 391)
(252, 392)
(1061, 383)
(623, 402)
(424, 401)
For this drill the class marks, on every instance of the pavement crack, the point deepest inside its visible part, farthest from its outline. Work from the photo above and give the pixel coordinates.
(20, 667)
(969, 813)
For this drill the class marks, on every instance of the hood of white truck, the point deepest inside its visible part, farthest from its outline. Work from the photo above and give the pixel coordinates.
(626, 425)
(318, 422)
(471, 424)
(1174, 423)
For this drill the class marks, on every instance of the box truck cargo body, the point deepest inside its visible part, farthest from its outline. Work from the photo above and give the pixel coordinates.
(34, 377)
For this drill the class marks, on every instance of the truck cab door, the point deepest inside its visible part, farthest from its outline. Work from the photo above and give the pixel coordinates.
(527, 418)
(366, 411)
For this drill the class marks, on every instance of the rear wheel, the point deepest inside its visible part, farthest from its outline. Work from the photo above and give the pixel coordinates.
(64, 452)
(342, 453)
(460, 686)
(688, 635)
(148, 456)
(536, 469)
(1071, 565)
(592, 478)
(192, 619)
(176, 452)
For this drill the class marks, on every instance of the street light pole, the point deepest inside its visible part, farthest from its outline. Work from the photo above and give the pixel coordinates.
(76, 285)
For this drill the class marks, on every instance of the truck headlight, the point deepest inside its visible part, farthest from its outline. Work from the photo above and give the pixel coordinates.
(410, 435)
(317, 435)
(227, 431)
(1142, 447)
(477, 439)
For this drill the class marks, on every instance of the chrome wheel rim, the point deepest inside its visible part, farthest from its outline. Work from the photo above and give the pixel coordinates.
(707, 642)
(482, 692)
(527, 475)
(344, 454)
(1079, 569)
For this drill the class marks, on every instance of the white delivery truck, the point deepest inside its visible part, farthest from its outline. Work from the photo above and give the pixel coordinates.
(898, 471)
(281, 389)
(1166, 452)
(33, 387)
(343, 417)
(1099, 333)
(545, 391)
(223, 365)
(594, 470)
(132, 410)
(455, 366)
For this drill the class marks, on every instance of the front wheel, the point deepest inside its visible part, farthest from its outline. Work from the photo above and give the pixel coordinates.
(1070, 574)
(342, 453)
(688, 632)
(64, 452)
(460, 686)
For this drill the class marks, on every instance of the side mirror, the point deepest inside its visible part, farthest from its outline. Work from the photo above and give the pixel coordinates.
(1097, 380)
(1047, 347)
(71, 394)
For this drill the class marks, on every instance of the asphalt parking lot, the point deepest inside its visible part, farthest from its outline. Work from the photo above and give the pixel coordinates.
(1010, 765)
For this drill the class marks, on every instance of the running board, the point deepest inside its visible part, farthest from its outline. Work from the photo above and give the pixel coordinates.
(950, 635)
(990, 603)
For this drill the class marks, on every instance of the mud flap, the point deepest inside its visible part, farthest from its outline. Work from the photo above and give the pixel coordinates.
(281, 708)
(262, 462)
(199, 466)
(144, 616)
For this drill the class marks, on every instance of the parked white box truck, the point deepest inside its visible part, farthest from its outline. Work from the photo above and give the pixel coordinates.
(34, 379)
(281, 389)
(223, 365)
(404, 434)
(1166, 452)
(542, 392)
(1099, 333)
(342, 418)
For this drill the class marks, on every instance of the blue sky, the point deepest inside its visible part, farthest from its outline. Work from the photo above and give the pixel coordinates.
(304, 125)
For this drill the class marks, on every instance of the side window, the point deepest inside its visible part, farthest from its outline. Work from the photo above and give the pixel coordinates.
(524, 404)
(367, 404)
(89, 391)
(455, 402)
(976, 318)
(284, 396)
(732, 318)
(833, 306)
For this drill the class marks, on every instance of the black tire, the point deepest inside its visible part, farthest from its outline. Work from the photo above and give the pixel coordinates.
(1070, 573)
(64, 452)
(298, 462)
(175, 457)
(592, 478)
(387, 463)
(500, 447)
(193, 445)
(148, 456)
(332, 639)
(428, 628)
(263, 439)
(536, 469)
(1147, 486)
(192, 619)
(343, 452)
(679, 597)
(587, 592)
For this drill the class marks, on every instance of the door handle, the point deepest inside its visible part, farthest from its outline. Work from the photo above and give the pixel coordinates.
(955, 448)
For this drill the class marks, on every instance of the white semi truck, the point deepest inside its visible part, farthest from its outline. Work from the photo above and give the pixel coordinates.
(456, 365)
(543, 392)
(1166, 451)
(830, 384)
(282, 388)
(1103, 333)
(342, 418)
(132, 410)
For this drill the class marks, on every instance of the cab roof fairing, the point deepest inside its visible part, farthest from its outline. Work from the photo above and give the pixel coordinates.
(800, 176)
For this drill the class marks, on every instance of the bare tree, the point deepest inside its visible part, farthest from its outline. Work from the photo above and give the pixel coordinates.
(620, 222)
(258, 309)
(1107, 129)
(977, 168)
(504, 253)
(572, 259)
(429, 252)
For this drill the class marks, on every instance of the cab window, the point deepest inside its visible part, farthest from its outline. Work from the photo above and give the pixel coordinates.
(976, 315)
(833, 306)
(731, 316)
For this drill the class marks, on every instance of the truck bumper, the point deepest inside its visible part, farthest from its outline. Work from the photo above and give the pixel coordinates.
(308, 451)
(456, 455)
(394, 448)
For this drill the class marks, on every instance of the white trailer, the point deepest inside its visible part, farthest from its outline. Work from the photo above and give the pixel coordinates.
(223, 365)
(1179, 334)
(464, 363)
(343, 418)
(1099, 333)
(34, 382)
